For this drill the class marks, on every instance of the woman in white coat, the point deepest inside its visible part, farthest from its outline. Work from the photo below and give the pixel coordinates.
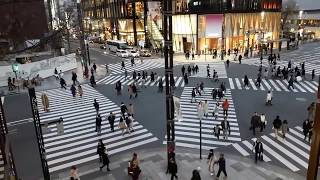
(269, 98)
(206, 108)
(200, 110)
(216, 110)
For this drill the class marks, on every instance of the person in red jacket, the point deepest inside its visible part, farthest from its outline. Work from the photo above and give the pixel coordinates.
(225, 106)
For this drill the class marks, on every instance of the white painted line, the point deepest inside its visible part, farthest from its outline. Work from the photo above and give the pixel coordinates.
(250, 146)
(252, 84)
(238, 83)
(266, 84)
(274, 85)
(231, 83)
(178, 81)
(240, 149)
(306, 86)
(284, 87)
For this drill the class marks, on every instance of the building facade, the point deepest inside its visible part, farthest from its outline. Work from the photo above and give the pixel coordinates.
(199, 26)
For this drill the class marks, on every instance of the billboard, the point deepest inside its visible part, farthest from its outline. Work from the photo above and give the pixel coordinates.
(214, 25)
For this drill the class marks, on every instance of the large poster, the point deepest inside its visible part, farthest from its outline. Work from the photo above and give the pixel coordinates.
(155, 12)
(214, 25)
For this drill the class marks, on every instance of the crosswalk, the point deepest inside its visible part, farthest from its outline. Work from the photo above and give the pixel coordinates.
(219, 67)
(187, 128)
(144, 65)
(78, 143)
(292, 152)
(1, 167)
(112, 79)
(275, 84)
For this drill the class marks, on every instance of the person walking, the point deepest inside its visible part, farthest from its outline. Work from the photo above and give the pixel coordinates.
(123, 108)
(185, 78)
(74, 78)
(228, 63)
(215, 112)
(205, 108)
(222, 166)
(258, 150)
(96, 105)
(134, 90)
(263, 122)
(313, 74)
(134, 169)
(216, 131)
(211, 160)
(122, 125)
(240, 58)
(73, 90)
(131, 110)
(118, 88)
(173, 168)
(56, 74)
(225, 126)
(111, 118)
(195, 175)
(214, 93)
(123, 65)
(200, 110)
(105, 160)
(269, 98)
(285, 128)
(98, 124)
(277, 123)
(132, 62)
(63, 83)
(306, 126)
(80, 91)
(94, 67)
(74, 173)
(225, 106)
(290, 82)
(130, 91)
(45, 102)
(183, 70)
(246, 81)
(160, 85)
(193, 95)
(255, 122)
(100, 149)
(129, 123)
(92, 81)
(60, 127)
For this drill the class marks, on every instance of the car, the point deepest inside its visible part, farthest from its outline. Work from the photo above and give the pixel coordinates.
(134, 53)
(145, 53)
(122, 53)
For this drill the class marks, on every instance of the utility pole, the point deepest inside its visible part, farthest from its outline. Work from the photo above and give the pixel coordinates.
(315, 146)
(81, 30)
(168, 57)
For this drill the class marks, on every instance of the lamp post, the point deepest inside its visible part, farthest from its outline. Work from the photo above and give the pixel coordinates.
(200, 131)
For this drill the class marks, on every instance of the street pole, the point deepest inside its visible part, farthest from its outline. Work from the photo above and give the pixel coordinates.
(200, 138)
(82, 43)
(223, 39)
(168, 57)
(315, 146)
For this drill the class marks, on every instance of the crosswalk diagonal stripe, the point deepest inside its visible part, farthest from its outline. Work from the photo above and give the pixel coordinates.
(231, 83)
(252, 84)
(306, 86)
(238, 83)
(284, 87)
(250, 146)
(240, 149)
(274, 85)
(299, 87)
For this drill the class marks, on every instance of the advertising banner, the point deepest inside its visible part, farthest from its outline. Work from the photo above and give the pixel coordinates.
(214, 25)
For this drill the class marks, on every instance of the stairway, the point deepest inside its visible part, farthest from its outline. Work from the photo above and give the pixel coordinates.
(156, 37)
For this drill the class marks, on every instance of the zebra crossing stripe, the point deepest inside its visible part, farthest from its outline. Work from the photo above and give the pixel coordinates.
(299, 87)
(274, 85)
(231, 83)
(280, 158)
(313, 86)
(154, 82)
(110, 80)
(296, 133)
(282, 86)
(116, 79)
(250, 146)
(192, 146)
(252, 84)
(178, 81)
(306, 86)
(286, 82)
(286, 152)
(266, 84)
(238, 83)
(205, 141)
(315, 83)
(240, 149)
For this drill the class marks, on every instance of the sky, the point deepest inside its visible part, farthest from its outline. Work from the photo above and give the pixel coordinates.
(308, 4)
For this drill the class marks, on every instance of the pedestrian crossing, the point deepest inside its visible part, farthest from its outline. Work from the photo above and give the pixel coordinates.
(1, 167)
(292, 152)
(78, 143)
(187, 128)
(218, 66)
(145, 64)
(275, 84)
(112, 79)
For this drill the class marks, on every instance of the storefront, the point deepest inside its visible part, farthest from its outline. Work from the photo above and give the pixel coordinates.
(126, 30)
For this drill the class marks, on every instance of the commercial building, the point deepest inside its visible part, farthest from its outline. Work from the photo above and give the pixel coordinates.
(199, 26)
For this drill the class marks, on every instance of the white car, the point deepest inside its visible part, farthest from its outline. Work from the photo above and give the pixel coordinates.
(122, 53)
(134, 53)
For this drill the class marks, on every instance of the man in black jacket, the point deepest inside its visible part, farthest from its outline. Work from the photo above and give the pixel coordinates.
(277, 123)
(123, 108)
(173, 168)
(258, 148)
(105, 161)
(111, 119)
(225, 128)
(222, 166)
(96, 105)
(255, 122)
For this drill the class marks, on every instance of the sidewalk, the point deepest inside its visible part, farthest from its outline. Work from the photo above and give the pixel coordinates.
(154, 164)
(52, 82)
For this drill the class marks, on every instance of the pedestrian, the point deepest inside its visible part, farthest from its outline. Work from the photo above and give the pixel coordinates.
(111, 119)
(258, 150)
(80, 90)
(74, 173)
(269, 98)
(189, 70)
(60, 74)
(134, 90)
(216, 131)
(73, 90)
(98, 124)
(94, 67)
(313, 74)
(240, 57)
(173, 168)
(206, 108)
(105, 160)
(122, 125)
(197, 69)
(311, 111)
(125, 74)
(132, 61)
(215, 112)
(246, 81)
(152, 77)
(285, 128)
(56, 73)
(263, 122)
(107, 68)
(123, 108)
(228, 62)
(131, 110)
(96, 105)
(200, 110)
(92, 81)
(225, 107)
(222, 166)
(122, 65)
(60, 128)
(160, 85)
(129, 123)
(195, 175)
(211, 160)
(63, 83)
(185, 78)
(225, 126)
(45, 102)
(258, 81)
(290, 82)
(134, 75)
(130, 91)
(255, 122)
(193, 95)
(214, 93)
(220, 94)
(100, 149)
(134, 169)
(277, 126)
(306, 126)
(74, 78)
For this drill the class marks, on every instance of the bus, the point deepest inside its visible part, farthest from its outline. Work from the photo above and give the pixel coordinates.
(113, 46)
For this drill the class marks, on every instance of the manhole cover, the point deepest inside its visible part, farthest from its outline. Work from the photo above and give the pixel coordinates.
(301, 99)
